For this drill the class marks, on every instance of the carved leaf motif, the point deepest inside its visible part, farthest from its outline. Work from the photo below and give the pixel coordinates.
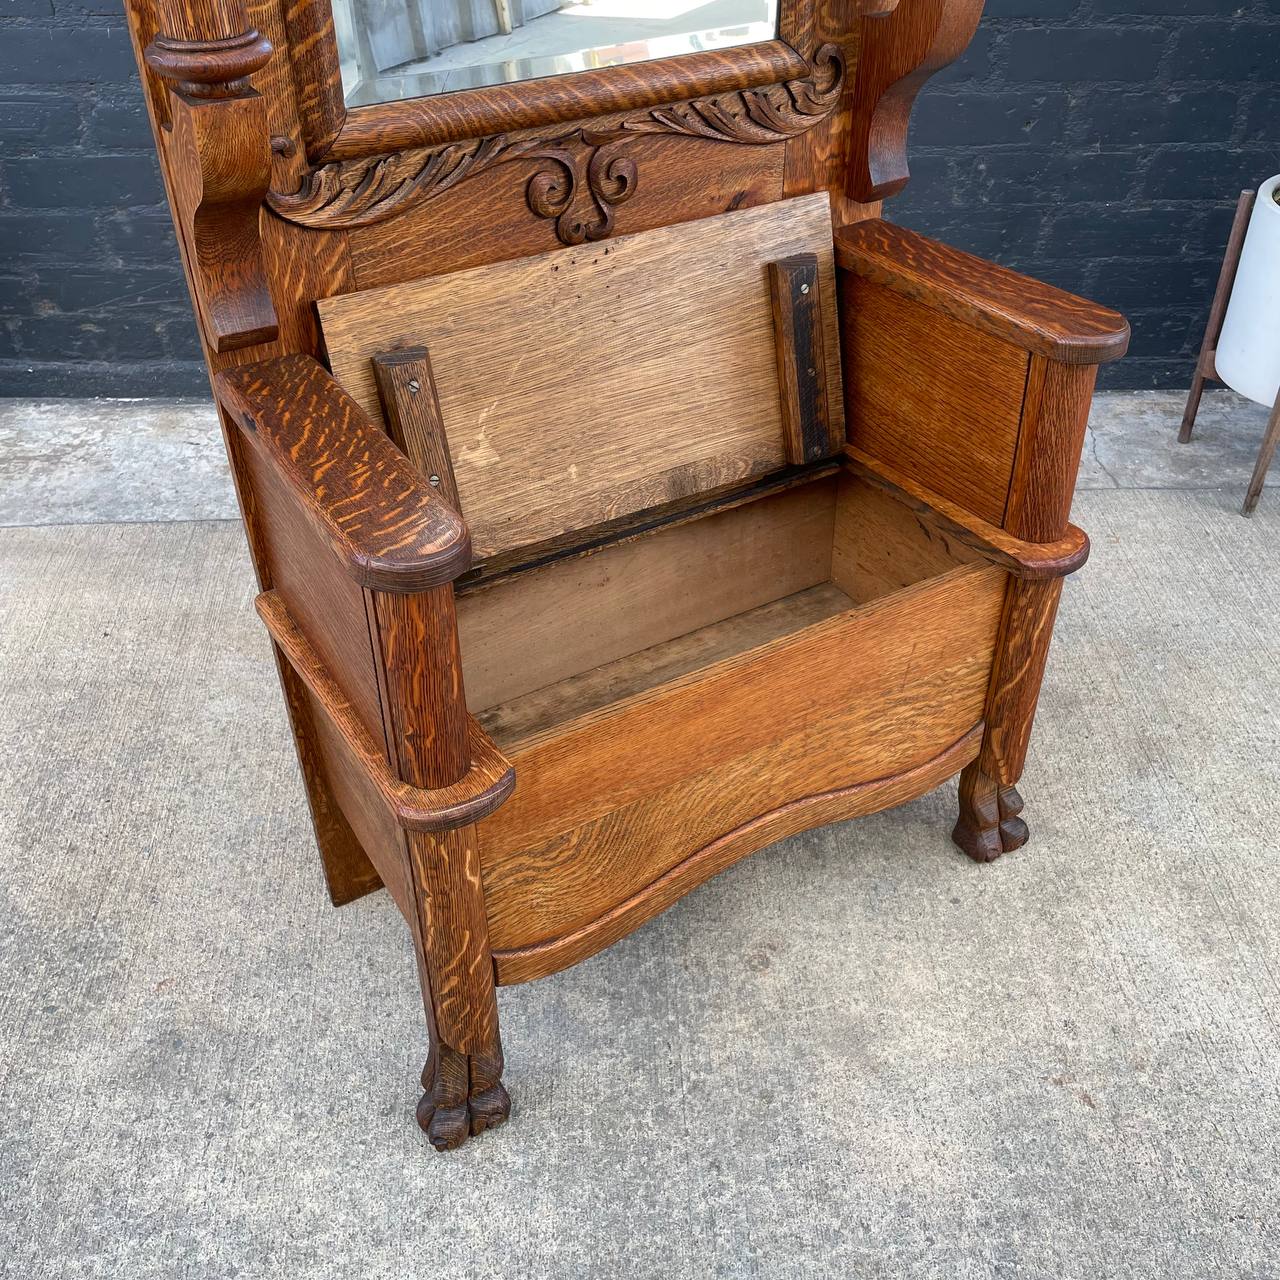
(356, 193)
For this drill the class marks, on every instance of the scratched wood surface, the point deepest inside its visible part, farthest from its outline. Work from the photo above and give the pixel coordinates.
(623, 374)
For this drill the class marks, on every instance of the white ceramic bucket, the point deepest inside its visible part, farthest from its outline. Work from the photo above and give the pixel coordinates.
(1248, 356)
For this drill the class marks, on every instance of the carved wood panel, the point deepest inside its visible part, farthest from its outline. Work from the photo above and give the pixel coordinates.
(487, 220)
(580, 175)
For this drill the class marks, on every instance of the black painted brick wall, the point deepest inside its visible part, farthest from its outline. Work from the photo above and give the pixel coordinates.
(1098, 144)
(1101, 145)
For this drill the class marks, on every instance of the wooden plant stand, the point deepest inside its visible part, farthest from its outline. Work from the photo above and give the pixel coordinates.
(1206, 365)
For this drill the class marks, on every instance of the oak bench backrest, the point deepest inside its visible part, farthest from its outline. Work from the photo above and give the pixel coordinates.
(586, 384)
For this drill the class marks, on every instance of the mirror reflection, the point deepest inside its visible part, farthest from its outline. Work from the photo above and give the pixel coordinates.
(407, 48)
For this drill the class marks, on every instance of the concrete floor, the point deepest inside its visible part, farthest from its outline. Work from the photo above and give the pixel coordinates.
(857, 1054)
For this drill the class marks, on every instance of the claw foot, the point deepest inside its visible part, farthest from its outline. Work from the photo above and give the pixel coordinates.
(989, 823)
(464, 1096)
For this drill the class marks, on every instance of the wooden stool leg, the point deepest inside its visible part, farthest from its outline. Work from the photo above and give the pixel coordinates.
(1263, 465)
(1205, 364)
(1193, 404)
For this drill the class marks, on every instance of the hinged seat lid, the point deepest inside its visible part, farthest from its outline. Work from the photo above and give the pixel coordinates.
(586, 384)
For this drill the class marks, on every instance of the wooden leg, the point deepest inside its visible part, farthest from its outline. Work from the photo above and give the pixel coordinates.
(989, 824)
(463, 1073)
(1193, 406)
(1217, 312)
(1263, 465)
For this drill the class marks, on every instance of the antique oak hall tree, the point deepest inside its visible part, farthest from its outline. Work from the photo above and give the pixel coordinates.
(625, 493)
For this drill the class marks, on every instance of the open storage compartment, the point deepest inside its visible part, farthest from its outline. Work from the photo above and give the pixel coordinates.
(546, 646)
(660, 694)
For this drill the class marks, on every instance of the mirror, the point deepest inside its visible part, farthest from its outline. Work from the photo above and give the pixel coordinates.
(393, 49)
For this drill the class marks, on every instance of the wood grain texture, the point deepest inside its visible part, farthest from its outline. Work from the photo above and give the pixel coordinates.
(668, 333)
(1054, 417)
(795, 295)
(897, 54)
(379, 516)
(543, 626)
(817, 159)
(363, 805)
(582, 770)
(581, 175)
(411, 410)
(534, 104)
(488, 219)
(988, 825)
(324, 603)
(276, 85)
(994, 544)
(488, 782)
(464, 1094)
(430, 741)
(317, 75)
(931, 397)
(881, 545)
(595, 688)
(420, 671)
(219, 159)
(537, 960)
(303, 265)
(1026, 629)
(641, 524)
(1000, 302)
(344, 851)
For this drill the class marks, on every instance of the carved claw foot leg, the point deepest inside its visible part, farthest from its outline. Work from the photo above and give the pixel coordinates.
(464, 1096)
(989, 822)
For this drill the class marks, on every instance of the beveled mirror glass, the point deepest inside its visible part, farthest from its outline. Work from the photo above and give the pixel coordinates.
(393, 49)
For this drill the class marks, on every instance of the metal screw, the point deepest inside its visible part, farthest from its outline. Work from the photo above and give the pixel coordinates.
(435, 479)
(414, 385)
(804, 288)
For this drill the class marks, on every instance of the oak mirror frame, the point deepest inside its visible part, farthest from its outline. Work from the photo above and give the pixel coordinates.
(395, 49)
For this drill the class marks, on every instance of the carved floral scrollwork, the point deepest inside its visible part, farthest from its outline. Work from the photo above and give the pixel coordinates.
(587, 158)
(611, 179)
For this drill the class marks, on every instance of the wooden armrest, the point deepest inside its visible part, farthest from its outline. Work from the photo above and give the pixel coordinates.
(390, 529)
(1035, 316)
(486, 784)
(1022, 559)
